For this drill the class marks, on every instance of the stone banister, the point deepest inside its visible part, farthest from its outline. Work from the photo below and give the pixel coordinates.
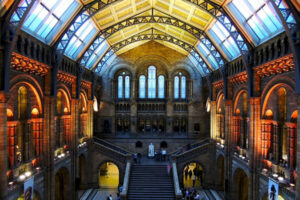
(178, 192)
(126, 180)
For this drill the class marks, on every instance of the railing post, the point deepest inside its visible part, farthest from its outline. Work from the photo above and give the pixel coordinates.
(126, 179)
(178, 192)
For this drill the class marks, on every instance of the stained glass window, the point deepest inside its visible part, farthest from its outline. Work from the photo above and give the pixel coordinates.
(120, 87)
(259, 18)
(161, 87)
(176, 87)
(46, 18)
(151, 82)
(142, 87)
(127, 87)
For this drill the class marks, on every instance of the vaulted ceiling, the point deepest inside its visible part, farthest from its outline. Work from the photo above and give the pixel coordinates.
(212, 32)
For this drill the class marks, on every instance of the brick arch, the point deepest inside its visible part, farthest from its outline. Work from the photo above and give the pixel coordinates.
(194, 74)
(220, 97)
(117, 67)
(269, 91)
(33, 84)
(65, 91)
(237, 97)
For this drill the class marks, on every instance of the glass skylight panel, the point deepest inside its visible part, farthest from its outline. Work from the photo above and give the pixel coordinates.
(97, 54)
(224, 40)
(80, 39)
(203, 49)
(46, 18)
(258, 17)
(195, 63)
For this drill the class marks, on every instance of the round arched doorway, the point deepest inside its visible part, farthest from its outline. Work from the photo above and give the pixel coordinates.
(108, 175)
(192, 175)
(241, 184)
(36, 196)
(62, 184)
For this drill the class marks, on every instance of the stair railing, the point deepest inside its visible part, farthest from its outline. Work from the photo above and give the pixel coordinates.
(178, 192)
(126, 180)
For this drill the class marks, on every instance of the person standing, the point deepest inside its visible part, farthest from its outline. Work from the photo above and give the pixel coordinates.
(194, 179)
(186, 172)
(135, 158)
(169, 168)
(164, 153)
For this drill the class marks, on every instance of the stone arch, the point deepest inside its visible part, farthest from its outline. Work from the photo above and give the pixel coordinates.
(190, 169)
(117, 67)
(237, 97)
(138, 144)
(163, 144)
(116, 178)
(240, 184)
(62, 184)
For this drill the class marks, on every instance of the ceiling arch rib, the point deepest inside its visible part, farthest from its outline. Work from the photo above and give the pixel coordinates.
(139, 37)
(219, 13)
(106, 33)
(87, 12)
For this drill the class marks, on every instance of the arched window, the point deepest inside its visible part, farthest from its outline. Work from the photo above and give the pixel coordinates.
(123, 86)
(120, 87)
(179, 86)
(151, 82)
(142, 85)
(22, 102)
(127, 87)
(183, 87)
(176, 87)
(161, 87)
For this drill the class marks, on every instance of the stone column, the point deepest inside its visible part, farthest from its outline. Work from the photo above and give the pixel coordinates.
(298, 151)
(228, 144)
(90, 118)
(254, 147)
(48, 146)
(213, 120)
(75, 120)
(3, 145)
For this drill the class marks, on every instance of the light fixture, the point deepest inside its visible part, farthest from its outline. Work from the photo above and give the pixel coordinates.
(275, 175)
(27, 174)
(11, 183)
(22, 177)
(280, 178)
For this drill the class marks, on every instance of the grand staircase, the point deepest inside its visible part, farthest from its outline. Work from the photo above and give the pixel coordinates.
(150, 182)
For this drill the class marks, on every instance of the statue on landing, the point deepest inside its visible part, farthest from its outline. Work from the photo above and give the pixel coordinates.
(151, 150)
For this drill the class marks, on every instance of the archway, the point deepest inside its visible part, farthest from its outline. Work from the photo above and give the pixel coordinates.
(36, 196)
(81, 169)
(62, 184)
(221, 180)
(241, 185)
(192, 175)
(108, 175)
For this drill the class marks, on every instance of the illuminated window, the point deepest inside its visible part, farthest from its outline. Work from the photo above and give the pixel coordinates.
(81, 38)
(224, 40)
(161, 87)
(46, 18)
(258, 17)
(127, 87)
(151, 82)
(179, 86)
(176, 87)
(183, 87)
(142, 87)
(120, 87)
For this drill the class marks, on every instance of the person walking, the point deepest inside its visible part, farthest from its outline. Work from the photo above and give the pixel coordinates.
(135, 158)
(186, 172)
(169, 168)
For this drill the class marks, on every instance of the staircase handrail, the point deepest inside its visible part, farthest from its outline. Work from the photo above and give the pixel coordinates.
(192, 146)
(200, 147)
(109, 150)
(178, 192)
(126, 180)
(112, 146)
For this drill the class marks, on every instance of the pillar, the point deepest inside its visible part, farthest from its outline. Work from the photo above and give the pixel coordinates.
(254, 147)
(90, 119)
(3, 145)
(228, 144)
(48, 146)
(298, 150)
(213, 120)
